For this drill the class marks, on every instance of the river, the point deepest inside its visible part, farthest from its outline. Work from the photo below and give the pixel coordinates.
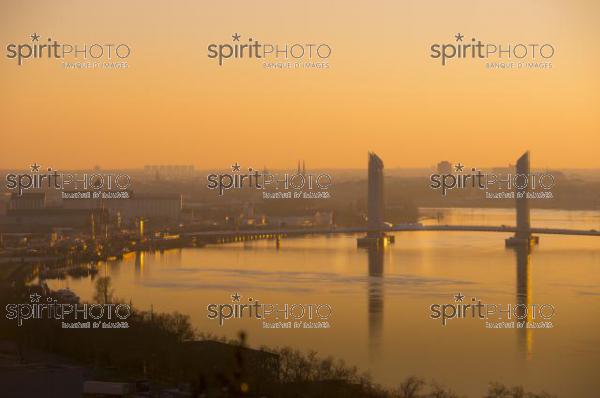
(381, 300)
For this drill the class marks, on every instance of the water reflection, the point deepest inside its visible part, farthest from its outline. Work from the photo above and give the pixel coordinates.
(375, 294)
(525, 337)
(140, 256)
(375, 290)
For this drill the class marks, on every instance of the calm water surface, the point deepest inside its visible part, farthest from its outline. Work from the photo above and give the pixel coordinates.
(381, 300)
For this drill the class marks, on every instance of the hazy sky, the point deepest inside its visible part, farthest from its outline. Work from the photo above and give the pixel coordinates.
(382, 91)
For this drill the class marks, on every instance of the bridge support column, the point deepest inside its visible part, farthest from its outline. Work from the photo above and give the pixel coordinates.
(376, 206)
(375, 241)
(523, 235)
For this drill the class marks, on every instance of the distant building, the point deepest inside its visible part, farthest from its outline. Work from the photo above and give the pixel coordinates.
(323, 218)
(163, 207)
(510, 169)
(249, 216)
(444, 167)
(169, 171)
(318, 219)
(34, 219)
(301, 171)
(4, 203)
(27, 200)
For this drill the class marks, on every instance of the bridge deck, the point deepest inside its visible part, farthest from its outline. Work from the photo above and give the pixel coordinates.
(395, 228)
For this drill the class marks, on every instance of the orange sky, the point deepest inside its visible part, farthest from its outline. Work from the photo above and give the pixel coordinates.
(382, 92)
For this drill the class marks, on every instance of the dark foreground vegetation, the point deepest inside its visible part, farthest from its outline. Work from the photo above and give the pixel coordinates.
(165, 350)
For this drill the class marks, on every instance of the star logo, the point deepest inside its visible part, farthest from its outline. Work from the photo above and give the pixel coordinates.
(235, 297)
(459, 297)
(236, 37)
(35, 298)
(459, 167)
(35, 167)
(35, 37)
(459, 37)
(235, 167)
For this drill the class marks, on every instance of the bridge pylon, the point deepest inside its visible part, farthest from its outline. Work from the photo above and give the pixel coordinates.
(522, 188)
(376, 237)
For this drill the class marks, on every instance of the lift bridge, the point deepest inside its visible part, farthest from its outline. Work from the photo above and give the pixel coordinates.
(378, 232)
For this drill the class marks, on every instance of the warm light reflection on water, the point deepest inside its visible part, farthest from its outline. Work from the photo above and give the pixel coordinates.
(381, 299)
